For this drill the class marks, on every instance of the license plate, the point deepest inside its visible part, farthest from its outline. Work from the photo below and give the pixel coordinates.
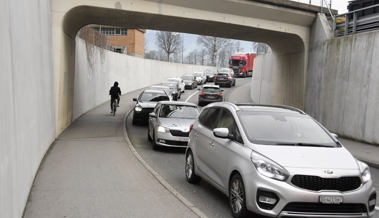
(331, 199)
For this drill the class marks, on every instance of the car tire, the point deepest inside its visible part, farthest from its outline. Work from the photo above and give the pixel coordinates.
(189, 168)
(155, 146)
(148, 133)
(237, 196)
(234, 83)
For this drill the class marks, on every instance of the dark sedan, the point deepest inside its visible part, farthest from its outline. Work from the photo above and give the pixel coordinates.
(225, 79)
(146, 103)
(209, 94)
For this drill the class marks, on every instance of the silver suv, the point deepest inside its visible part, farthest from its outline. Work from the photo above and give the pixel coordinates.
(277, 161)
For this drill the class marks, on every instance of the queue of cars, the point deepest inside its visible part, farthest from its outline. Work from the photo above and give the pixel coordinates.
(271, 160)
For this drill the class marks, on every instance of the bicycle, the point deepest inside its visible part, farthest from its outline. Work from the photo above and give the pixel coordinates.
(114, 107)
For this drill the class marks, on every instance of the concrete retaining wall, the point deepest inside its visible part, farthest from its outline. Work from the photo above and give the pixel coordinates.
(278, 79)
(261, 84)
(97, 69)
(27, 122)
(343, 83)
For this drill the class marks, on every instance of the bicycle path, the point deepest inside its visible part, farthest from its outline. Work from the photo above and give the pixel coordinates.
(90, 171)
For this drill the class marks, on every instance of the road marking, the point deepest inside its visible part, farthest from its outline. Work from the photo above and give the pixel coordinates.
(189, 97)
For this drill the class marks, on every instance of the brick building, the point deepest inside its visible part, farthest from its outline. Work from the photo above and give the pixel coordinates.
(122, 40)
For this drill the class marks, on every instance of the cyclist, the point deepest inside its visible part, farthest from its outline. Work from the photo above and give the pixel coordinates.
(115, 93)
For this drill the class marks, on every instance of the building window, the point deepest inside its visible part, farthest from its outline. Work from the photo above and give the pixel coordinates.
(112, 31)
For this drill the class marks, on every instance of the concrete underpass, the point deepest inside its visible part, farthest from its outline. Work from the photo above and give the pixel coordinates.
(44, 71)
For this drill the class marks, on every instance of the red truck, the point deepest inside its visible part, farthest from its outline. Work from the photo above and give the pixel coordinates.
(242, 64)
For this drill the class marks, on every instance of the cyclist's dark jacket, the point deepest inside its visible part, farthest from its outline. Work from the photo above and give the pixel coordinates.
(115, 91)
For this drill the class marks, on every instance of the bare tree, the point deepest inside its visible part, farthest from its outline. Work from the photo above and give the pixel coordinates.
(202, 56)
(212, 45)
(169, 42)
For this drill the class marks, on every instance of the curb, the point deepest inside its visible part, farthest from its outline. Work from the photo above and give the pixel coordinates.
(160, 179)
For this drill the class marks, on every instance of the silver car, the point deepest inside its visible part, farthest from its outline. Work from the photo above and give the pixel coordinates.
(170, 122)
(277, 161)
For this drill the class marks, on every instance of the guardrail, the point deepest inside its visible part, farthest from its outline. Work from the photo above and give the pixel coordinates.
(356, 21)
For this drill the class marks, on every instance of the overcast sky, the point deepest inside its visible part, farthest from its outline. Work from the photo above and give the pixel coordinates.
(340, 5)
(190, 42)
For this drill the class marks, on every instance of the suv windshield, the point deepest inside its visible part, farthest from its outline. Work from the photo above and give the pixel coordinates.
(276, 128)
(153, 96)
(171, 85)
(178, 111)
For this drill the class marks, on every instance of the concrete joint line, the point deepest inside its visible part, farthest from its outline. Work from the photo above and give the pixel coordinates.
(160, 179)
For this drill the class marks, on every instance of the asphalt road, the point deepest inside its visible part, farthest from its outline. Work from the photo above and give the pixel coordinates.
(169, 163)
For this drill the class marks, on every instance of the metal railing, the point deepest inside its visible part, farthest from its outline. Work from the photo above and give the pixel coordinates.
(355, 21)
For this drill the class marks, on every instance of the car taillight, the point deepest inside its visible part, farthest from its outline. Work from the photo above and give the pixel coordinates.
(191, 127)
(215, 77)
(228, 78)
(202, 93)
(219, 94)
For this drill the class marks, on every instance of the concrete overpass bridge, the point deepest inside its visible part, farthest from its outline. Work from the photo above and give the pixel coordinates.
(285, 27)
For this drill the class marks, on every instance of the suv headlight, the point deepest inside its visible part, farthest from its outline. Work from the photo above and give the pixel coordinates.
(365, 171)
(268, 168)
(138, 108)
(162, 129)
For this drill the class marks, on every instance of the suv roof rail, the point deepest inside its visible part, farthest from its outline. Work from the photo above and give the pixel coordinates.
(269, 105)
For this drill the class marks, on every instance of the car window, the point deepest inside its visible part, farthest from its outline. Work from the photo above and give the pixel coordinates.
(156, 109)
(153, 96)
(178, 111)
(227, 121)
(187, 77)
(211, 89)
(208, 117)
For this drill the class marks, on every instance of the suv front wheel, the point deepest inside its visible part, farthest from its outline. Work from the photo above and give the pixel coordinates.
(237, 198)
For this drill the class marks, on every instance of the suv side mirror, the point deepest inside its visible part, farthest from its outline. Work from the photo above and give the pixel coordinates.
(335, 136)
(222, 133)
(152, 114)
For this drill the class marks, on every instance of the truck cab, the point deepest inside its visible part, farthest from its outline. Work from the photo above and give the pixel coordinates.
(242, 64)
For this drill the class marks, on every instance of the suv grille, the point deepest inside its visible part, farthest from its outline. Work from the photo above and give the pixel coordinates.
(316, 183)
(325, 208)
(179, 133)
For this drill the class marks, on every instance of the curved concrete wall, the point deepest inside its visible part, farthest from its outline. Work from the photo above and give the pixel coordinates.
(343, 83)
(96, 70)
(27, 124)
